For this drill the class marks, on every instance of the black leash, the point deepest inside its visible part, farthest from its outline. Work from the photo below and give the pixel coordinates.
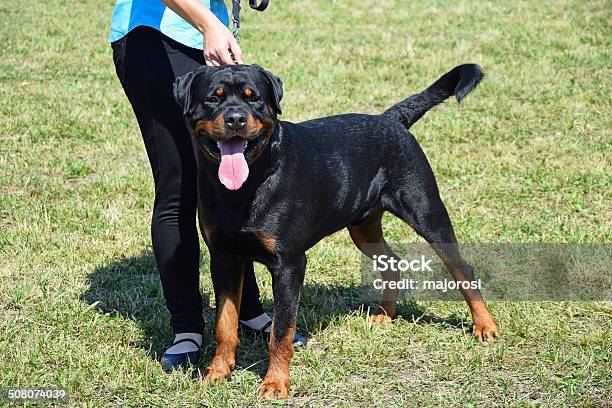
(236, 13)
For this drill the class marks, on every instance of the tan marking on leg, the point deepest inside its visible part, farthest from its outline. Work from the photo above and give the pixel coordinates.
(370, 232)
(384, 313)
(226, 333)
(485, 329)
(276, 382)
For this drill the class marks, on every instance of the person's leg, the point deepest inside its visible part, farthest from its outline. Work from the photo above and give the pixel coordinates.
(147, 77)
(250, 307)
(147, 64)
(251, 312)
(183, 60)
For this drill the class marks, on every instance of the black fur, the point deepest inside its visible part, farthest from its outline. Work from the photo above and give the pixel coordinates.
(459, 81)
(314, 178)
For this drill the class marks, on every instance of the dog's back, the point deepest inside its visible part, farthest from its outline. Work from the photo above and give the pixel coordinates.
(345, 163)
(368, 139)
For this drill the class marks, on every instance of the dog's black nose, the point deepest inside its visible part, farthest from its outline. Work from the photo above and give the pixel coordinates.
(235, 120)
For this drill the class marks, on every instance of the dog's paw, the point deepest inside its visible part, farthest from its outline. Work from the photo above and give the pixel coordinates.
(380, 319)
(274, 388)
(214, 374)
(486, 331)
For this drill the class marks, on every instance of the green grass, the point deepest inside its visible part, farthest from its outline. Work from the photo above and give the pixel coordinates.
(525, 158)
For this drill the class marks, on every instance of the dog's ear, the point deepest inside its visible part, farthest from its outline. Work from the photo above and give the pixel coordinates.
(182, 90)
(277, 88)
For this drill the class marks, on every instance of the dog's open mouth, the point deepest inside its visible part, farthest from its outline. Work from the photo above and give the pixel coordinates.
(233, 156)
(233, 169)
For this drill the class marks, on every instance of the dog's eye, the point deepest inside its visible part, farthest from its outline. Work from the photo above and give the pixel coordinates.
(212, 100)
(254, 98)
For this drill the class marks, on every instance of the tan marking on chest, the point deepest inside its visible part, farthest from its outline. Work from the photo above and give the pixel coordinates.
(268, 242)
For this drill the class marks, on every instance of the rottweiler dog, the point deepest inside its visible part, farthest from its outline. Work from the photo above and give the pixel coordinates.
(269, 190)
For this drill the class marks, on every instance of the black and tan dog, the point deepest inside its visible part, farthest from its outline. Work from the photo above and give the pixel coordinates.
(269, 190)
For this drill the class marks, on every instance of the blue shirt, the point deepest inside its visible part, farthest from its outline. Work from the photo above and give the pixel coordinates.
(129, 14)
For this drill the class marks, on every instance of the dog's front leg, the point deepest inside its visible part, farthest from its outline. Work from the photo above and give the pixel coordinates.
(287, 280)
(227, 275)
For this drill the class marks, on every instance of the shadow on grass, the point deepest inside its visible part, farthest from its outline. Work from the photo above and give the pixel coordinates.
(130, 288)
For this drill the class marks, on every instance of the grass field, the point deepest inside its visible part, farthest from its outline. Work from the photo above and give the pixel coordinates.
(525, 158)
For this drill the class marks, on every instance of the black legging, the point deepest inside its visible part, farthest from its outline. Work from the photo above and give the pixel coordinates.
(147, 63)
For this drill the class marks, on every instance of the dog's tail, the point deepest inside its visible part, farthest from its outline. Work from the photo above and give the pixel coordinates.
(459, 81)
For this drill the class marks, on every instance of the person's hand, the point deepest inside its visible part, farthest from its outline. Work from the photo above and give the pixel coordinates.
(220, 46)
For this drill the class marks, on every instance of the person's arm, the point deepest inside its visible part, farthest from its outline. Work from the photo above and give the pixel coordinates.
(219, 41)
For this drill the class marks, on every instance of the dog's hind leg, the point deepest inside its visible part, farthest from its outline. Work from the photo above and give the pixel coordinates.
(368, 237)
(422, 208)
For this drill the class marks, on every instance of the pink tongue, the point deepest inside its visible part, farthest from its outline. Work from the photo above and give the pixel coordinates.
(233, 170)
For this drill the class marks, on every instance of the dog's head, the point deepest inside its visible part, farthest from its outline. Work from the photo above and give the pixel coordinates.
(231, 112)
